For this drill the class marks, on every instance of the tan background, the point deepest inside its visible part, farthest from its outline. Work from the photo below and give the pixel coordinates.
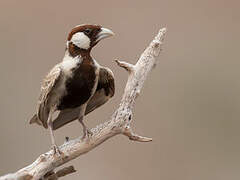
(190, 103)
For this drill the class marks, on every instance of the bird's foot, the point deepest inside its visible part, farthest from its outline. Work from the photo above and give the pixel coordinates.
(56, 150)
(89, 132)
(86, 134)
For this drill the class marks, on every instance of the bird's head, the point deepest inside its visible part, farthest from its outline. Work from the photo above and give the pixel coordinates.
(85, 37)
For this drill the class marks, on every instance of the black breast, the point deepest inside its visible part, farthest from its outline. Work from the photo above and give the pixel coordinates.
(79, 87)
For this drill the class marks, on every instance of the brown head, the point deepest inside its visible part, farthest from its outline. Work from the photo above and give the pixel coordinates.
(83, 38)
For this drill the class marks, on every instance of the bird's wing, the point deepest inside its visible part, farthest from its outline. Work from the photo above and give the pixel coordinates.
(47, 86)
(105, 90)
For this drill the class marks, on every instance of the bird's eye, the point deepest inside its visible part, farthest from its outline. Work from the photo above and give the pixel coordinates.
(87, 31)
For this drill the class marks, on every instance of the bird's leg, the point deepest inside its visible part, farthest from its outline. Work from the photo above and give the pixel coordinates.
(86, 131)
(50, 125)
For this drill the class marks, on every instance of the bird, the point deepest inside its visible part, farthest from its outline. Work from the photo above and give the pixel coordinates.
(77, 85)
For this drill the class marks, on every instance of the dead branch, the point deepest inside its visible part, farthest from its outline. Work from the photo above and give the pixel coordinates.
(120, 122)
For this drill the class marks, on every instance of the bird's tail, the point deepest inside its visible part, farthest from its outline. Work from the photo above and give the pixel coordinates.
(35, 119)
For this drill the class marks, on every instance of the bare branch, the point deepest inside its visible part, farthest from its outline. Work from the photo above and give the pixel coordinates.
(65, 171)
(60, 173)
(43, 167)
(125, 65)
(134, 137)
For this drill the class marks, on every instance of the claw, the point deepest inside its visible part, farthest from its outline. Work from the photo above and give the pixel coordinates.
(89, 132)
(86, 134)
(56, 150)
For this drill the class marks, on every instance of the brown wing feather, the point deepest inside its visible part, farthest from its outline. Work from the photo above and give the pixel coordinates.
(105, 90)
(48, 85)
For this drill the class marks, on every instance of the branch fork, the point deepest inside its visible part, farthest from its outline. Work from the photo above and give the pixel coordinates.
(43, 168)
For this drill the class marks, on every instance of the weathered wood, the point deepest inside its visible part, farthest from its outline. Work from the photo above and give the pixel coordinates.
(120, 122)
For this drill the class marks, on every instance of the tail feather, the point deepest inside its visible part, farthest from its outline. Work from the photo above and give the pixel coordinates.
(35, 119)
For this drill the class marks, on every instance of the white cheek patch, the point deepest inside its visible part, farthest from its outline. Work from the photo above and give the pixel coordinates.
(81, 40)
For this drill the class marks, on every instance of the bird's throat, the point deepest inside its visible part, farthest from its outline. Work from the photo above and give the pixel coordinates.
(76, 51)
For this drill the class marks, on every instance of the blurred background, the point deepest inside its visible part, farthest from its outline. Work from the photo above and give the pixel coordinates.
(189, 105)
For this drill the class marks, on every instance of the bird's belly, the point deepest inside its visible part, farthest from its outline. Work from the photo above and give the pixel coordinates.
(79, 89)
